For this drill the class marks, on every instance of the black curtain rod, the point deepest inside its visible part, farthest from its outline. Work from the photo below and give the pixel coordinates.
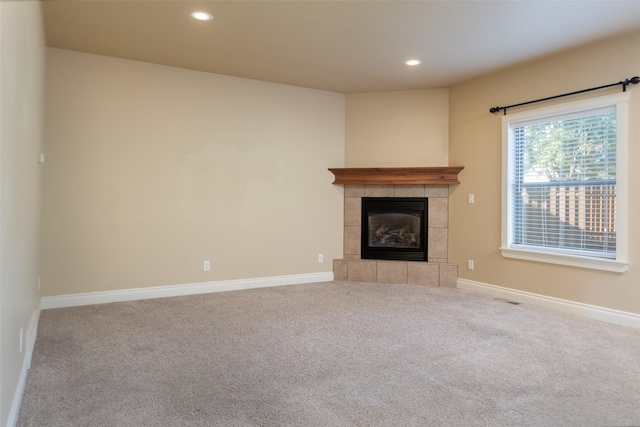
(624, 83)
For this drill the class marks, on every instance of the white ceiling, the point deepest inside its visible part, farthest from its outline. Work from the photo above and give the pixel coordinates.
(342, 46)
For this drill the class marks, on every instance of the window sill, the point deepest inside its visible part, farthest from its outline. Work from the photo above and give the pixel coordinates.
(603, 264)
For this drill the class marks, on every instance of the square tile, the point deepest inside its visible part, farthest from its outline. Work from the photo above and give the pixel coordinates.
(392, 272)
(437, 190)
(361, 271)
(448, 275)
(437, 245)
(354, 190)
(379, 190)
(438, 212)
(352, 242)
(423, 273)
(340, 269)
(413, 190)
(352, 210)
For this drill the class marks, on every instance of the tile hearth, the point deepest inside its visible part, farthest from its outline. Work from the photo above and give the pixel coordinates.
(436, 272)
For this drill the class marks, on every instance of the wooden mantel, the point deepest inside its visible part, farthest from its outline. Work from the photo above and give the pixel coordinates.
(429, 175)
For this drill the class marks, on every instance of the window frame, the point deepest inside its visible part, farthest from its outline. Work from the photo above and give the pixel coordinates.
(548, 255)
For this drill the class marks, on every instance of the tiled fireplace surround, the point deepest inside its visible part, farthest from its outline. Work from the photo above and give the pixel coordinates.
(436, 272)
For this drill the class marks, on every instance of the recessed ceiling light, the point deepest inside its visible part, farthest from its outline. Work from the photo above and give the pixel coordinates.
(202, 16)
(413, 62)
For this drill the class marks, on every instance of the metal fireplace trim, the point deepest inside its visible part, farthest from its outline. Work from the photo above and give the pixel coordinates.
(395, 205)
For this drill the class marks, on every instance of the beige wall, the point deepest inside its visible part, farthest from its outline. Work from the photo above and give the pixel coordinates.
(397, 129)
(476, 144)
(22, 54)
(151, 170)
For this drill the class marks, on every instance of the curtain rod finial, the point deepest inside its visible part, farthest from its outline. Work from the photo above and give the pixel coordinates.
(632, 81)
(495, 109)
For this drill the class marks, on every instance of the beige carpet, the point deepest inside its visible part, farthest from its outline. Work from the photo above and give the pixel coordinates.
(330, 354)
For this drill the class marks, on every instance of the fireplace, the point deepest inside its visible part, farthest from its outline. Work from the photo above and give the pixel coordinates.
(432, 183)
(394, 228)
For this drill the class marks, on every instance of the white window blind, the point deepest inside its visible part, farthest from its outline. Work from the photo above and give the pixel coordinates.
(563, 183)
(564, 186)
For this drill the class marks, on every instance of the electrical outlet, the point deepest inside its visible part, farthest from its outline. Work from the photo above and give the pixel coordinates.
(472, 198)
(470, 264)
(207, 266)
(320, 258)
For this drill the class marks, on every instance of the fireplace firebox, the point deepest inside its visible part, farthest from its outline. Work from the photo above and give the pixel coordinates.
(394, 228)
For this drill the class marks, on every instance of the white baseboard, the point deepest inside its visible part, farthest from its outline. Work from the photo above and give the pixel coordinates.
(591, 311)
(30, 341)
(89, 298)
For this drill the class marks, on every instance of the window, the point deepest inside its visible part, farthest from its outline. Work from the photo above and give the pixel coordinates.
(564, 184)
